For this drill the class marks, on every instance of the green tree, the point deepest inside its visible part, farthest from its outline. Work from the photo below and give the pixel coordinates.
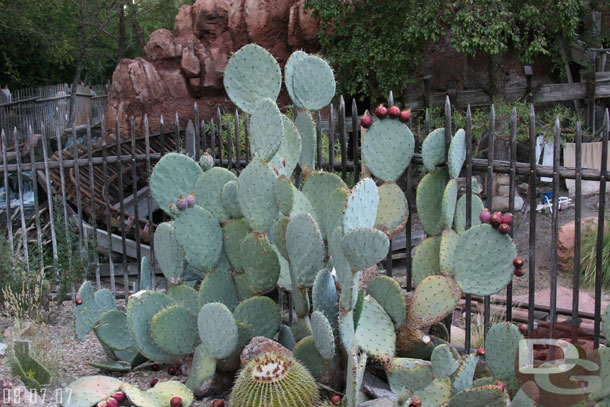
(376, 46)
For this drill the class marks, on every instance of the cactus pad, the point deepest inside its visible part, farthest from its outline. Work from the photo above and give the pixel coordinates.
(464, 375)
(350, 294)
(208, 191)
(355, 374)
(313, 82)
(286, 337)
(393, 210)
(185, 296)
(217, 330)
(436, 393)
(229, 200)
(361, 206)
(279, 235)
(266, 129)
(287, 156)
(606, 321)
(323, 336)
(89, 390)
(445, 360)
(138, 397)
(460, 213)
(202, 368)
(86, 314)
(387, 149)
(325, 298)
(347, 331)
(284, 195)
(112, 330)
(251, 75)
(112, 365)
(256, 195)
(389, 295)
(426, 261)
(233, 233)
(169, 254)
(174, 175)
(448, 204)
(145, 277)
(301, 205)
(200, 235)
(375, 332)
(449, 241)
(322, 369)
(261, 313)
(501, 347)
(289, 72)
(486, 396)
(307, 130)
(173, 330)
(340, 263)
(164, 391)
(218, 286)
(429, 200)
(413, 374)
(306, 249)
(434, 298)
(483, 260)
(433, 149)
(327, 193)
(457, 153)
(365, 247)
(260, 263)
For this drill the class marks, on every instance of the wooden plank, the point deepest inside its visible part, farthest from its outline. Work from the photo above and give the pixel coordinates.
(131, 250)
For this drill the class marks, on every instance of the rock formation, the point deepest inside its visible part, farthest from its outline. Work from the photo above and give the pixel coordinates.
(187, 66)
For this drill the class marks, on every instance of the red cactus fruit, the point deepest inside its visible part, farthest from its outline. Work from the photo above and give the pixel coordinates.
(366, 122)
(111, 402)
(507, 218)
(381, 112)
(504, 228)
(102, 404)
(190, 200)
(481, 352)
(501, 385)
(405, 116)
(175, 402)
(496, 219)
(519, 272)
(171, 370)
(485, 216)
(394, 112)
(415, 402)
(523, 329)
(518, 262)
(218, 403)
(78, 300)
(119, 396)
(283, 162)
(153, 382)
(276, 171)
(155, 367)
(181, 203)
(336, 400)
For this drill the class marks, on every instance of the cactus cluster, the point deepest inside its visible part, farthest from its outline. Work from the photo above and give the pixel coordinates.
(245, 235)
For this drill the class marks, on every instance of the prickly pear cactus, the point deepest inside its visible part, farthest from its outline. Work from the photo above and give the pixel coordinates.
(31, 372)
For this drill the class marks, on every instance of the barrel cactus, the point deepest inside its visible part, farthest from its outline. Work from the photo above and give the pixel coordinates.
(274, 380)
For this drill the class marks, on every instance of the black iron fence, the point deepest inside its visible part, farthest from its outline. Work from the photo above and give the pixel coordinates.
(101, 190)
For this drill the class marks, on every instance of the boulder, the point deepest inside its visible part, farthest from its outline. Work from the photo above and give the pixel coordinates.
(187, 66)
(565, 242)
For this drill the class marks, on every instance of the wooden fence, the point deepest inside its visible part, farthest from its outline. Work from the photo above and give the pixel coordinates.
(83, 182)
(47, 109)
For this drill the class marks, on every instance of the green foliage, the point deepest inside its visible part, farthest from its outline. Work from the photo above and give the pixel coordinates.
(378, 46)
(588, 257)
(375, 46)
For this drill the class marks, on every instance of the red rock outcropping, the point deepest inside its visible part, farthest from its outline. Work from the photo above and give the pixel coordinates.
(187, 66)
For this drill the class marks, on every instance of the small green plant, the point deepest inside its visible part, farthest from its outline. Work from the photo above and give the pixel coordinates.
(588, 257)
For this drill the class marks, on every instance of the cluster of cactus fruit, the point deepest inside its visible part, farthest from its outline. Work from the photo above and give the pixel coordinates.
(244, 236)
